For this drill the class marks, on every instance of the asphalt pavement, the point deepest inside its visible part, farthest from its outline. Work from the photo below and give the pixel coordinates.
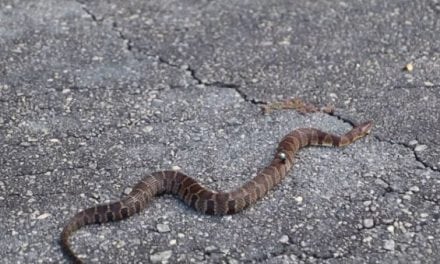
(96, 94)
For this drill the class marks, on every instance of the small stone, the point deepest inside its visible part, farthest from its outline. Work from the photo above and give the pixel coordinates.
(234, 121)
(95, 196)
(284, 239)
(367, 239)
(156, 102)
(120, 244)
(381, 183)
(127, 190)
(368, 223)
(93, 165)
(54, 140)
(428, 84)
(25, 144)
(389, 245)
(333, 95)
(210, 249)
(413, 142)
(388, 220)
(147, 129)
(163, 228)
(43, 216)
(406, 197)
(424, 215)
(420, 148)
(232, 261)
(414, 189)
(29, 193)
(409, 67)
(161, 256)
(172, 242)
(180, 235)
(390, 229)
(176, 168)
(299, 199)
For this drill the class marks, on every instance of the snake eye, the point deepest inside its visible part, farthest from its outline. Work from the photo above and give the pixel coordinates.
(282, 156)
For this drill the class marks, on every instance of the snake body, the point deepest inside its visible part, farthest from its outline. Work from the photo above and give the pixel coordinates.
(201, 198)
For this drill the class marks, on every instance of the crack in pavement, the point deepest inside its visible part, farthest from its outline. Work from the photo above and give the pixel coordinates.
(218, 84)
(381, 139)
(128, 42)
(407, 146)
(192, 72)
(90, 13)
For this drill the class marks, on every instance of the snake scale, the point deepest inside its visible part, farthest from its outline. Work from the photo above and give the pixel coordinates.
(201, 198)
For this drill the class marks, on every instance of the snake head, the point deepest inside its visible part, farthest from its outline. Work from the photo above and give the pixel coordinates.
(365, 128)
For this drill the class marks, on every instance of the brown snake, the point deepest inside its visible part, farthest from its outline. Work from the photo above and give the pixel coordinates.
(201, 198)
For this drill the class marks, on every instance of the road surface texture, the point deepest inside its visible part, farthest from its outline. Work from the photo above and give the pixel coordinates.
(96, 94)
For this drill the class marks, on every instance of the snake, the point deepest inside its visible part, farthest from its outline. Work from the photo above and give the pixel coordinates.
(201, 198)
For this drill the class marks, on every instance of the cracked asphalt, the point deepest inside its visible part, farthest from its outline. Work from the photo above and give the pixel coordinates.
(95, 94)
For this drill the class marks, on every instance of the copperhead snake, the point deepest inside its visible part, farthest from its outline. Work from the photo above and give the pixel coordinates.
(201, 198)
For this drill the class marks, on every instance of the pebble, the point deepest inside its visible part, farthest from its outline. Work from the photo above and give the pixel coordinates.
(232, 261)
(127, 190)
(407, 197)
(413, 142)
(284, 239)
(367, 239)
(176, 168)
(420, 148)
(414, 189)
(368, 223)
(210, 249)
(161, 256)
(390, 229)
(25, 144)
(43, 216)
(299, 199)
(163, 228)
(409, 67)
(156, 102)
(428, 83)
(54, 140)
(147, 129)
(234, 121)
(388, 220)
(389, 245)
(333, 95)
(172, 242)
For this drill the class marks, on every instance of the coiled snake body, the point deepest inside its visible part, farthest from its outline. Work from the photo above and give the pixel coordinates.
(201, 198)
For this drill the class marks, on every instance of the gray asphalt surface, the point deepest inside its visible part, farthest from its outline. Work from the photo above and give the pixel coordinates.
(95, 94)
